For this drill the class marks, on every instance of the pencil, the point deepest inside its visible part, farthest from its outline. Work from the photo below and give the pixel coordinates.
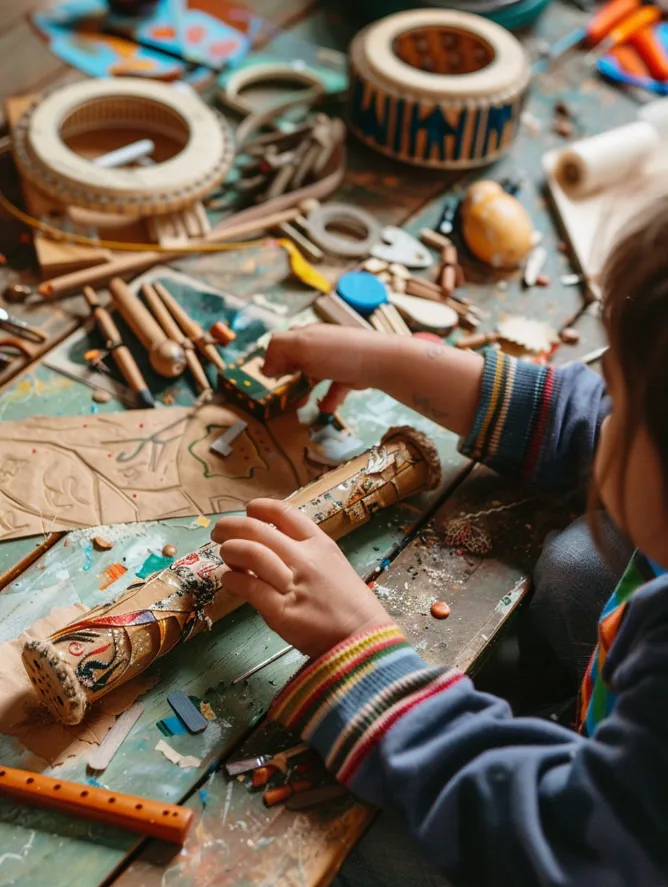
(120, 352)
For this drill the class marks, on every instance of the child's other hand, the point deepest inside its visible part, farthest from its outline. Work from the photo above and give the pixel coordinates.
(323, 351)
(295, 576)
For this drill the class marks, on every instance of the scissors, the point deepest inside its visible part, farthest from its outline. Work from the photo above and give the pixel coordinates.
(21, 328)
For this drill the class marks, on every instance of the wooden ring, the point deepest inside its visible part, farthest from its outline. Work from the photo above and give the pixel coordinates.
(233, 83)
(204, 155)
(437, 88)
(341, 214)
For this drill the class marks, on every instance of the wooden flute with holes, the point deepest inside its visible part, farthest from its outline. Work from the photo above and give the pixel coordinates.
(168, 822)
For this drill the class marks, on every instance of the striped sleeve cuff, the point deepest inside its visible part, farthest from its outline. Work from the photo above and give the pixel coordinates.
(511, 422)
(345, 702)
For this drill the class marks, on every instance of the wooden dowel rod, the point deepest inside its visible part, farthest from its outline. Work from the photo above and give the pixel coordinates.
(191, 328)
(166, 356)
(171, 328)
(131, 264)
(164, 821)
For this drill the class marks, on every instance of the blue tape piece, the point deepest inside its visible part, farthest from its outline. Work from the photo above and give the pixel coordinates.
(171, 727)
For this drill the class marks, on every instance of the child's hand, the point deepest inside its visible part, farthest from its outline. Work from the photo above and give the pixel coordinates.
(296, 576)
(324, 351)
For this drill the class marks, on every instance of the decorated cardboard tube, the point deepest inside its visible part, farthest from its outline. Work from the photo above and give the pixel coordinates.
(115, 642)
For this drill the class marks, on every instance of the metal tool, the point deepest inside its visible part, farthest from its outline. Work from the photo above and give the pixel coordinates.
(279, 760)
(21, 328)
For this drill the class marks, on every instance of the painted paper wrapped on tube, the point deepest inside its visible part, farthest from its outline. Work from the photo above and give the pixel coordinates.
(115, 642)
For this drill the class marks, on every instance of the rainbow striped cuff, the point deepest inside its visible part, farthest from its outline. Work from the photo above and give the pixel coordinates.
(346, 701)
(513, 414)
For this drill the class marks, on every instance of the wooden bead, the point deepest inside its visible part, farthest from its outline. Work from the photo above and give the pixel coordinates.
(101, 544)
(277, 795)
(301, 785)
(262, 775)
(449, 255)
(448, 280)
(221, 333)
(569, 336)
(169, 550)
(440, 610)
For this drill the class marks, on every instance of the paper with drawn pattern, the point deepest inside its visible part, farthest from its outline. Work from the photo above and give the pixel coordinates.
(68, 472)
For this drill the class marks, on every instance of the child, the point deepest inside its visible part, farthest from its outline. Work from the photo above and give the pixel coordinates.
(493, 799)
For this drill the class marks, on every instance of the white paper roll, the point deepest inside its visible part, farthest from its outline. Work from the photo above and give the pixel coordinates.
(656, 113)
(606, 159)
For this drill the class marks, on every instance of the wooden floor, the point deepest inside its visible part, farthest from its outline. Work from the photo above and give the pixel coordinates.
(235, 841)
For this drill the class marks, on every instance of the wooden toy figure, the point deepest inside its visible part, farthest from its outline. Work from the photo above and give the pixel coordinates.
(115, 642)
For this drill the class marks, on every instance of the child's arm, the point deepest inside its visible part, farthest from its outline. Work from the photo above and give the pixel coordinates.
(440, 382)
(521, 419)
(494, 800)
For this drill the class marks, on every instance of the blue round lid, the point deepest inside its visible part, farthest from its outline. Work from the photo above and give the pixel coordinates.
(362, 291)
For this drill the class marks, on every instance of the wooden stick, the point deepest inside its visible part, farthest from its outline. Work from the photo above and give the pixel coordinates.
(249, 221)
(166, 356)
(424, 289)
(190, 327)
(129, 265)
(394, 320)
(121, 353)
(165, 821)
(333, 309)
(170, 327)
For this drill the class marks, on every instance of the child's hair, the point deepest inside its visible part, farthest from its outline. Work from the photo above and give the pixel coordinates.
(635, 315)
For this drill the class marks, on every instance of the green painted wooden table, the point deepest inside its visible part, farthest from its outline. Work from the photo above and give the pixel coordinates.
(235, 841)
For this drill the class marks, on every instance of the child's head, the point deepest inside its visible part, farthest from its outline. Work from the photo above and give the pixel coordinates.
(631, 468)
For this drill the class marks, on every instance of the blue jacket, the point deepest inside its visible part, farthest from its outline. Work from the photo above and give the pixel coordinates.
(496, 800)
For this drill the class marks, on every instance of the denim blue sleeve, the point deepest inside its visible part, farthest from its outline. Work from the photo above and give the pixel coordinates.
(495, 801)
(537, 423)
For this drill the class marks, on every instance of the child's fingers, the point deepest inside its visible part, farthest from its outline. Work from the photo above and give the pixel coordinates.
(242, 554)
(240, 527)
(287, 519)
(257, 593)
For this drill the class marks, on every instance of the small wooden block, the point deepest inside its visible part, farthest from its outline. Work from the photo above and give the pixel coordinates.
(191, 716)
(261, 396)
(103, 754)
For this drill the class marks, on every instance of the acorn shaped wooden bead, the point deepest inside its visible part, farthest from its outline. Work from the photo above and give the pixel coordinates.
(495, 225)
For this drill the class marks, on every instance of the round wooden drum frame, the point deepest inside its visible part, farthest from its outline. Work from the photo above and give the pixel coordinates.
(437, 88)
(46, 160)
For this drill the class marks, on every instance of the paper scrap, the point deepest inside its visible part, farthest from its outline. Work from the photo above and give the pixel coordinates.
(68, 472)
(183, 761)
(207, 711)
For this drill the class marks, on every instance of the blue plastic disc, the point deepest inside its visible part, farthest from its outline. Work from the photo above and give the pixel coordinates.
(362, 291)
